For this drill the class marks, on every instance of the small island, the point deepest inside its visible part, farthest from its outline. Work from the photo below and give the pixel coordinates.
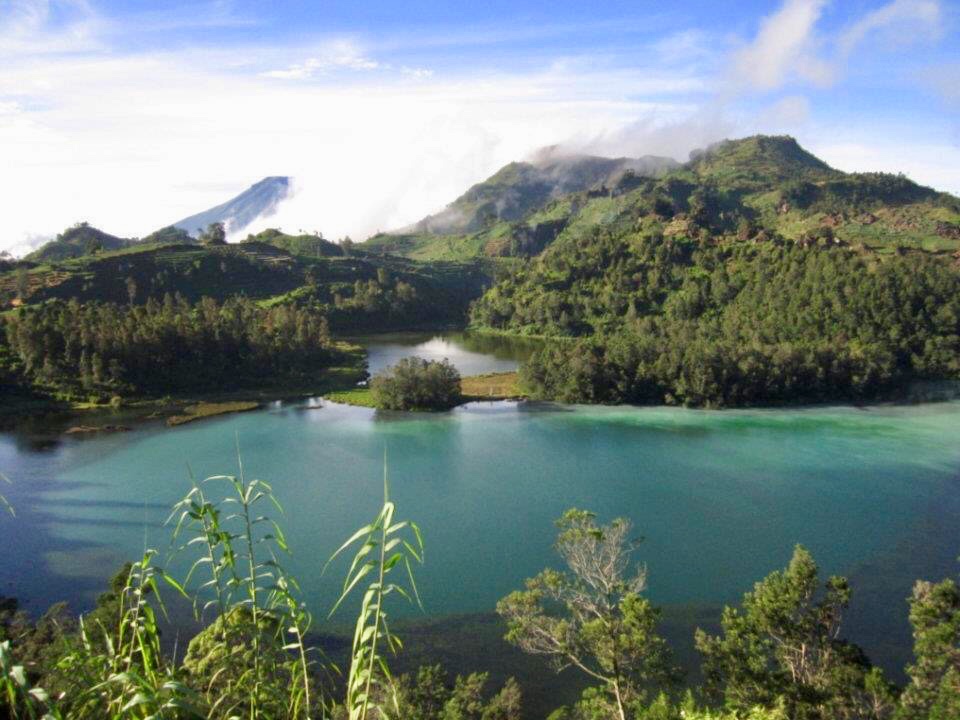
(416, 384)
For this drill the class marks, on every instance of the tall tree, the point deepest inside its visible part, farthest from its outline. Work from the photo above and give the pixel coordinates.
(593, 616)
(783, 646)
(934, 689)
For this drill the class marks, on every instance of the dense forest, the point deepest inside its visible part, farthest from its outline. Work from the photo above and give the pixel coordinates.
(358, 290)
(781, 654)
(675, 320)
(104, 349)
(158, 316)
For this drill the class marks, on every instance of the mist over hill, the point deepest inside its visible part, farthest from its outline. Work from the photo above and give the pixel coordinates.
(520, 187)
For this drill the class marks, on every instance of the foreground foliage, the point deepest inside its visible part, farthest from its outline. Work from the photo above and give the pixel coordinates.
(607, 628)
(779, 655)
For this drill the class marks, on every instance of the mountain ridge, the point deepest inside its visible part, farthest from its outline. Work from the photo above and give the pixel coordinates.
(758, 186)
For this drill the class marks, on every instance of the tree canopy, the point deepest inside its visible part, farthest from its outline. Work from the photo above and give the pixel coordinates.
(417, 384)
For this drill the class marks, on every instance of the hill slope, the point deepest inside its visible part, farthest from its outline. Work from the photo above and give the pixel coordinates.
(755, 187)
(755, 274)
(479, 220)
(356, 292)
(81, 239)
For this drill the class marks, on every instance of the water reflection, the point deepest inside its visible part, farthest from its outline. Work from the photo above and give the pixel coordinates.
(470, 353)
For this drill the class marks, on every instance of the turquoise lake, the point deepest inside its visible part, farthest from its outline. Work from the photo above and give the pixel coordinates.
(721, 498)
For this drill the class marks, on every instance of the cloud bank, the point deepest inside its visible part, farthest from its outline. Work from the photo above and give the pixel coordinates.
(131, 139)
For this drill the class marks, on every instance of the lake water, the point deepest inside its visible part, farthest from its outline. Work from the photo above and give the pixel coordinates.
(721, 498)
(472, 354)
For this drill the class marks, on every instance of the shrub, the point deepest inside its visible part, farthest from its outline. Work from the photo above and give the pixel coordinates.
(417, 384)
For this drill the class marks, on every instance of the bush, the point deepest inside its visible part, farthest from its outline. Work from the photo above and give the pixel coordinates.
(417, 384)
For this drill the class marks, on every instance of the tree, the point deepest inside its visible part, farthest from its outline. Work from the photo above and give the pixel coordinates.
(782, 646)
(215, 234)
(933, 692)
(602, 624)
(429, 696)
(131, 289)
(23, 283)
(417, 384)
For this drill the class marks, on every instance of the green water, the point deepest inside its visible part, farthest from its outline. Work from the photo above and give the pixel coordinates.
(721, 497)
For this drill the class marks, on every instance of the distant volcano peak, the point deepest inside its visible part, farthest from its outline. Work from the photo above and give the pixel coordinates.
(259, 200)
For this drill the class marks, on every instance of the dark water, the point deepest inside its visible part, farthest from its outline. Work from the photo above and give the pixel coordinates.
(721, 498)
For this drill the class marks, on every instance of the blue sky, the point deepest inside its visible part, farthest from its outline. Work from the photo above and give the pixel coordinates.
(133, 114)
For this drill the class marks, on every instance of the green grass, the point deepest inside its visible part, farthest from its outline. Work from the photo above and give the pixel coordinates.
(491, 386)
(360, 397)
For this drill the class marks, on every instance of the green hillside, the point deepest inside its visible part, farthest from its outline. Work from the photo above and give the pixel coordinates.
(493, 218)
(756, 274)
(755, 188)
(306, 245)
(81, 239)
(358, 292)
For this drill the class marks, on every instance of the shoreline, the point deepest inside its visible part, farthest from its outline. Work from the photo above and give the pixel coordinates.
(83, 419)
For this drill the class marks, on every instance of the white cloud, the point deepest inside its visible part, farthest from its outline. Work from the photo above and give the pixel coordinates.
(900, 22)
(790, 47)
(945, 81)
(133, 142)
(659, 133)
(416, 72)
(786, 114)
(785, 47)
(338, 55)
(47, 27)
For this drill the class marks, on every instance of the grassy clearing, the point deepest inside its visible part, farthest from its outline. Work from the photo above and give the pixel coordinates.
(492, 386)
(210, 409)
(360, 396)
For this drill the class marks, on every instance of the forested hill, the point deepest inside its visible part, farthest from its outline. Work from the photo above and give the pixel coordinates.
(358, 291)
(755, 274)
(216, 316)
(81, 239)
(478, 222)
(755, 187)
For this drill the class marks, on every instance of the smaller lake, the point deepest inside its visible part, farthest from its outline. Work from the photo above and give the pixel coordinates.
(470, 353)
